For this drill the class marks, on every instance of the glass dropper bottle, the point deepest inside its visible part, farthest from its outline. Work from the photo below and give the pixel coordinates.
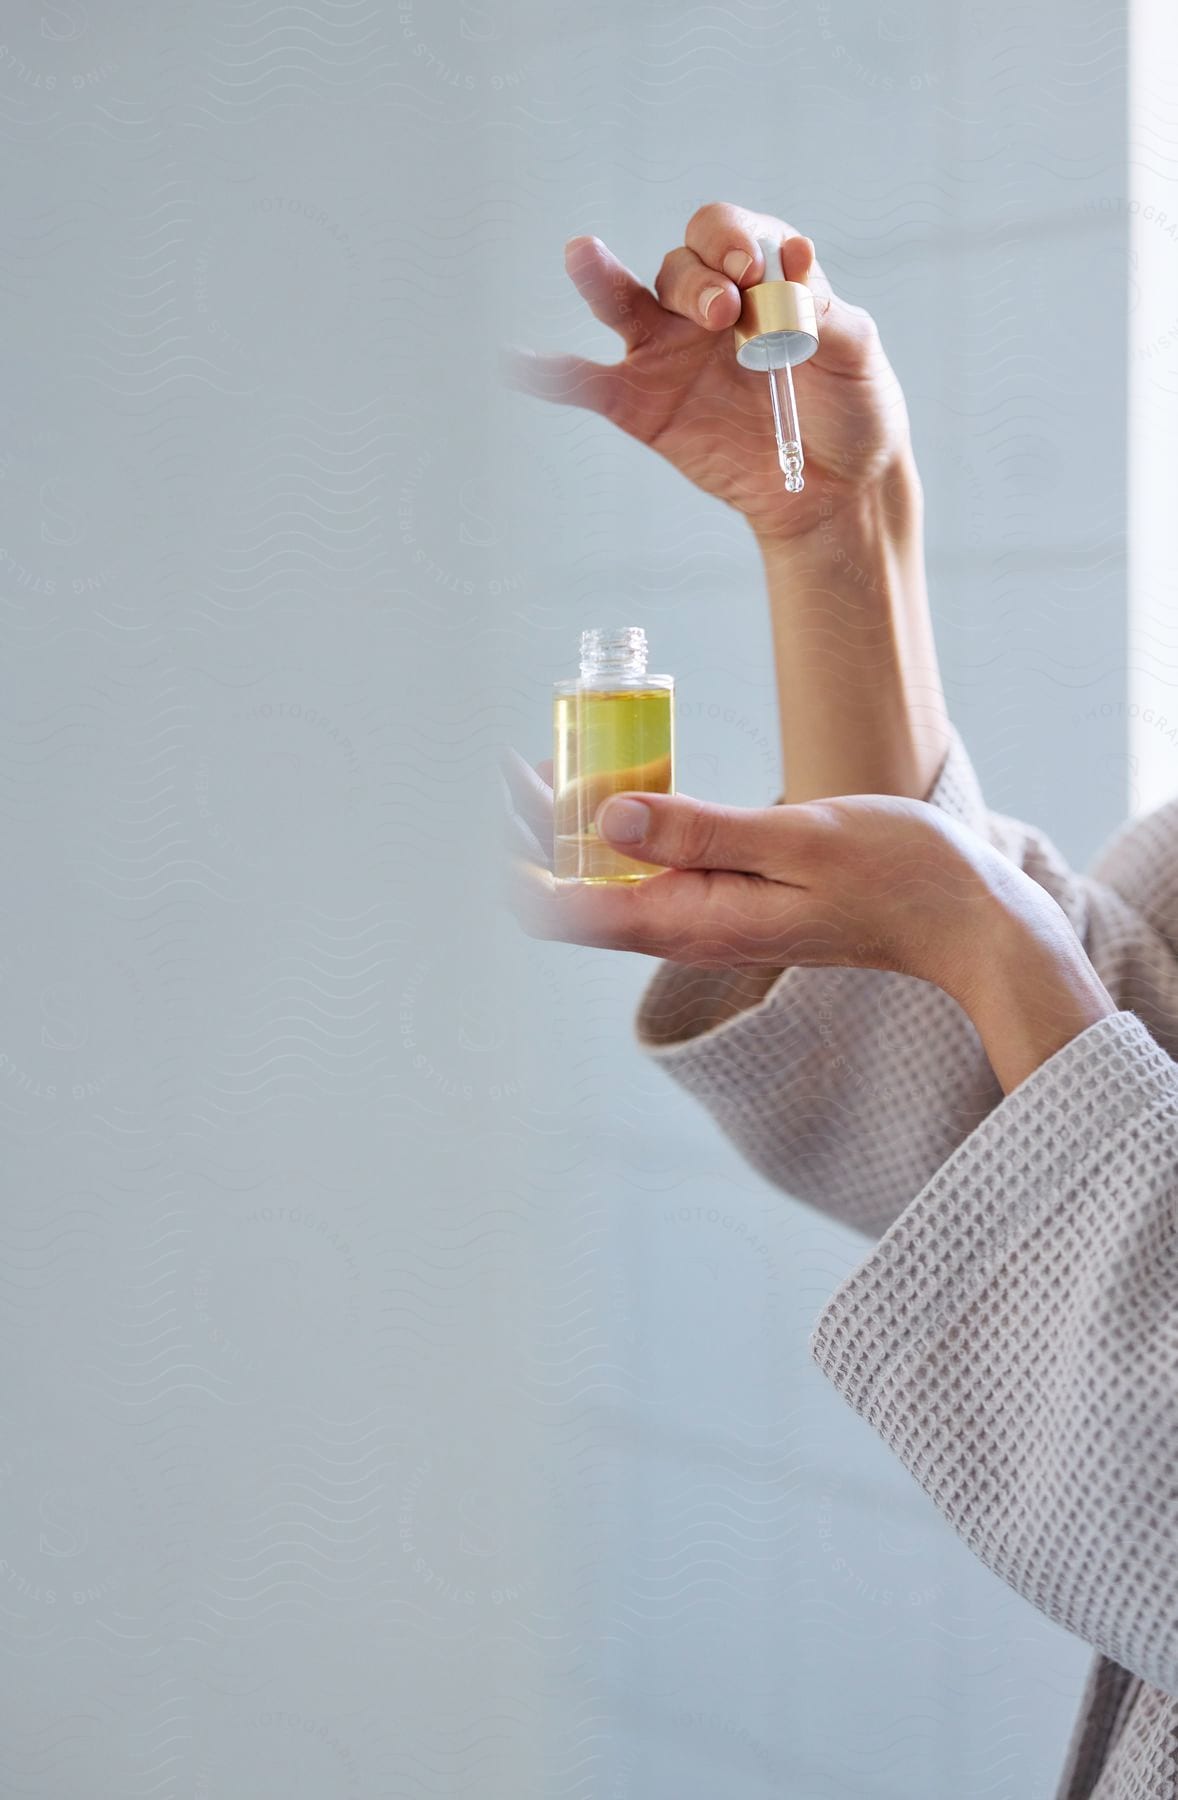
(778, 329)
(613, 731)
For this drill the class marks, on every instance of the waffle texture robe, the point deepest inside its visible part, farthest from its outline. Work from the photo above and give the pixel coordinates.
(1012, 1333)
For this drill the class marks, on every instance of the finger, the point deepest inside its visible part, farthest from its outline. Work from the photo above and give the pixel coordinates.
(799, 260)
(848, 340)
(711, 920)
(723, 235)
(615, 295)
(688, 286)
(519, 837)
(528, 889)
(521, 840)
(530, 794)
(680, 833)
(571, 912)
(657, 917)
(725, 238)
(568, 380)
(584, 794)
(544, 770)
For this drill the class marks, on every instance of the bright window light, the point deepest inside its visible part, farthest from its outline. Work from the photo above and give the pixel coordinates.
(1153, 404)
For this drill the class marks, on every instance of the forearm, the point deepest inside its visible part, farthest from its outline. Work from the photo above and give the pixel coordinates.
(859, 692)
(859, 695)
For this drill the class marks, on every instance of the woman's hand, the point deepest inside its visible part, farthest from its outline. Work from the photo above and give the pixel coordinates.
(867, 881)
(860, 702)
(680, 389)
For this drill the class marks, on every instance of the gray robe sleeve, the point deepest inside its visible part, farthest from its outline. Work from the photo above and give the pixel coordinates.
(848, 1088)
(1013, 1338)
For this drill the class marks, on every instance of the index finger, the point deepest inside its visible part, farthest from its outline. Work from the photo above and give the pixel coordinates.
(725, 237)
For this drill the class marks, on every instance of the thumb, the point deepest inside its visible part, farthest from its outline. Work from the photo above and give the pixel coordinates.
(680, 833)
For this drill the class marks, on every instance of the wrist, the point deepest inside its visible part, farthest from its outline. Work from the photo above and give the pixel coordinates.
(860, 528)
(1025, 980)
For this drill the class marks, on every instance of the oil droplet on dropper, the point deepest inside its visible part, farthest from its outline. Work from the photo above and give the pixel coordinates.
(785, 428)
(790, 459)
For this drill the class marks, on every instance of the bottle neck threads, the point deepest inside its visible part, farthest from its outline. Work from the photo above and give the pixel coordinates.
(621, 652)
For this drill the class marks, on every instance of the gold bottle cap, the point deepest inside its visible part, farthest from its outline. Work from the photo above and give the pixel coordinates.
(777, 322)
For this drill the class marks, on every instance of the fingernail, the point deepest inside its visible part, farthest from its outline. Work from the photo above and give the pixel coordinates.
(708, 298)
(735, 263)
(624, 821)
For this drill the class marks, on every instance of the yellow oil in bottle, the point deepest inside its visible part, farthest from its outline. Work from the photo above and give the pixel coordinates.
(614, 732)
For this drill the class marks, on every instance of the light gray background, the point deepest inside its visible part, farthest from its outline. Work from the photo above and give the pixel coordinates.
(405, 1389)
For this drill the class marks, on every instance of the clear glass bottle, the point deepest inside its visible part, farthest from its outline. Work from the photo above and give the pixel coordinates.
(614, 731)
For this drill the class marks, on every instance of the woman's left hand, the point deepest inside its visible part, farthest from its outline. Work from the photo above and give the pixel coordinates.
(867, 879)
(861, 880)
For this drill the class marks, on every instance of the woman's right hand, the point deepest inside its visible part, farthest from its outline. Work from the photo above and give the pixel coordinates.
(680, 389)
